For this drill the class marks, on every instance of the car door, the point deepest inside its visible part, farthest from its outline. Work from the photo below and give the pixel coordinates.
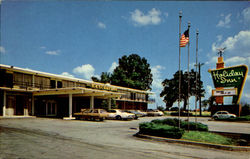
(224, 115)
(219, 115)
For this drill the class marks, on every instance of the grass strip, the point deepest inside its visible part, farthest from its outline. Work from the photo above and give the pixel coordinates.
(207, 137)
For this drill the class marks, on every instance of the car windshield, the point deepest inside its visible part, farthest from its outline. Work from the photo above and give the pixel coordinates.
(103, 111)
(87, 111)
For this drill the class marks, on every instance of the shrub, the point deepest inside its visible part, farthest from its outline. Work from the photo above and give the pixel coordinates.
(243, 118)
(153, 129)
(194, 126)
(183, 124)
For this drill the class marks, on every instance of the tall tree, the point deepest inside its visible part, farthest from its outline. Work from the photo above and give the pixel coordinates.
(132, 71)
(170, 91)
(105, 78)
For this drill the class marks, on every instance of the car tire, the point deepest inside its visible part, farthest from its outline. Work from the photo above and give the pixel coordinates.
(215, 118)
(118, 117)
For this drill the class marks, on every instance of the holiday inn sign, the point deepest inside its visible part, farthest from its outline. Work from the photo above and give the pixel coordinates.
(233, 77)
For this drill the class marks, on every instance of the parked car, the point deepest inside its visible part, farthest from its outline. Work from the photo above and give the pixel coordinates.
(223, 115)
(120, 114)
(92, 114)
(156, 112)
(138, 113)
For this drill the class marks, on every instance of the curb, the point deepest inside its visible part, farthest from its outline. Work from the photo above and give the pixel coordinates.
(181, 141)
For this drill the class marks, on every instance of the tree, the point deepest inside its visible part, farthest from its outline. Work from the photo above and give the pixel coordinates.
(105, 78)
(211, 102)
(205, 103)
(170, 91)
(161, 108)
(132, 71)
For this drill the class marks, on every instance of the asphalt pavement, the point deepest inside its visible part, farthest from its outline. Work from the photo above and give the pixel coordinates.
(56, 138)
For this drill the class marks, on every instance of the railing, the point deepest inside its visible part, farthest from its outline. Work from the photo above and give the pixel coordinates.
(26, 85)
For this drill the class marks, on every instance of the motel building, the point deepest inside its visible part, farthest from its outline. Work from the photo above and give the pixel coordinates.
(25, 92)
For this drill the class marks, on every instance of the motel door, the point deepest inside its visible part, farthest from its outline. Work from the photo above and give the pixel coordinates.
(51, 108)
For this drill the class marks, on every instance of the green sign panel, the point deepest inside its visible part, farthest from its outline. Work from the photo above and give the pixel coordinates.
(230, 77)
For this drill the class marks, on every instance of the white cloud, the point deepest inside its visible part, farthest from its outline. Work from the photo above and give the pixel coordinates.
(86, 71)
(237, 49)
(246, 14)
(157, 80)
(238, 44)
(225, 22)
(156, 84)
(67, 74)
(55, 52)
(2, 50)
(42, 47)
(209, 91)
(101, 25)
(212, 60)
(219, 38)
(151, 18)
(237, 60)
(112, 67)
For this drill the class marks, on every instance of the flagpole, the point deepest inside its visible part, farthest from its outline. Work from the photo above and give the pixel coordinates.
(188, 73)
(196, 78)
(180, 15)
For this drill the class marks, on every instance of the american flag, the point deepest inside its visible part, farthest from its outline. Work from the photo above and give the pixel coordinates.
(184, 38)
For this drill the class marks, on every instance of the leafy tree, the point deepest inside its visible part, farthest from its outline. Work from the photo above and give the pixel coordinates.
(161, 108)
(170, 91)
(205, 103)
(132, 71)
(105, 78)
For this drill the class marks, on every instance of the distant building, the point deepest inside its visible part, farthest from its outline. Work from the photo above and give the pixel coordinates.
(27, 92)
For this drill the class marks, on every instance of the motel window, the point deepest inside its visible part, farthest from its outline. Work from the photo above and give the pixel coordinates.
(59, 84)
(27, 79)
(18, 78)
(42, 82)
(52, 84)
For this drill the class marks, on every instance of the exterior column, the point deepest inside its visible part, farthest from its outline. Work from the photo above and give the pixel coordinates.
(92, 102)
(4, 103)
(109, 103)
(32, 105)
(33, 81)
(70, 105)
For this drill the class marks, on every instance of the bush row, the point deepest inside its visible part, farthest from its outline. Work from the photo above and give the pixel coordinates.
(154, 129)
(183, 124)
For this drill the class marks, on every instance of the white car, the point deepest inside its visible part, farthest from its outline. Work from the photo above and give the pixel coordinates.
(223, 115)
(119, 114)
(156, 112)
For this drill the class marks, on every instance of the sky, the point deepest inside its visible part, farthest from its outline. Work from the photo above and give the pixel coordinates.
(85, 38)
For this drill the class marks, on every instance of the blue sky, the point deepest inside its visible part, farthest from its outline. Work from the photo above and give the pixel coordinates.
(83, 38)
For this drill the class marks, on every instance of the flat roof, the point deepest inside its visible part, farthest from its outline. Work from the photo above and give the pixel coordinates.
(34, 72)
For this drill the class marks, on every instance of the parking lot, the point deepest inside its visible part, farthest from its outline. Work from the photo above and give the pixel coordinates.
(56, 138)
